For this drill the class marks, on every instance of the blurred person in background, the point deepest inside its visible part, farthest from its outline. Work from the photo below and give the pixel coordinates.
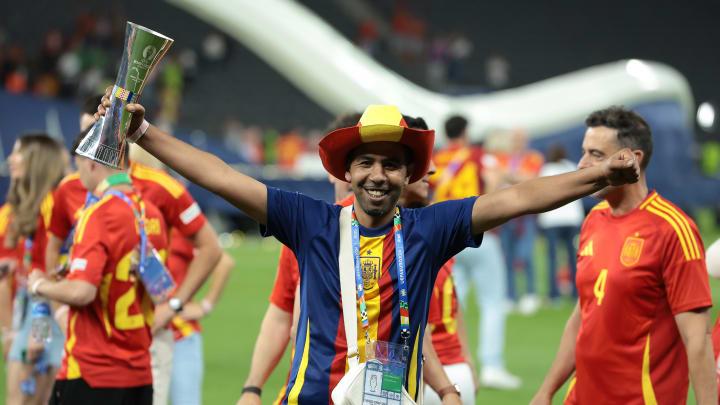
(518, 235)
(464, 170)
(107, 356)
(561, 225)
(35, 170)
(642, 322)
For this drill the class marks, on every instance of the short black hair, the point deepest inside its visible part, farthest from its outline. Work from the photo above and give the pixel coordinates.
(455, 126)
(343, 121)
(415, 122)
(91, 104)
(632, 130)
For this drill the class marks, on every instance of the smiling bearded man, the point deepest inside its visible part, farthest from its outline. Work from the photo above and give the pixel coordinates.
(378, 157)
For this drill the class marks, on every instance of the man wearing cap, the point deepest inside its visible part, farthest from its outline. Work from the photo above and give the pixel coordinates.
(379, 157)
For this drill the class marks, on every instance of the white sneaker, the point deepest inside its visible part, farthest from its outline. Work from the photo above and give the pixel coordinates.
(529, 304)
(499, 378)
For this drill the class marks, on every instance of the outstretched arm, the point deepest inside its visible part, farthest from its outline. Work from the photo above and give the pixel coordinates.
(202, 168)
(547, 193)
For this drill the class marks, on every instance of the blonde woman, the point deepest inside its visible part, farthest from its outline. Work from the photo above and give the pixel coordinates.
(36, 167)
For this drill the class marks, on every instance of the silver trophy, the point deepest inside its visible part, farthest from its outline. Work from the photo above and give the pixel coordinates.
(105, 143)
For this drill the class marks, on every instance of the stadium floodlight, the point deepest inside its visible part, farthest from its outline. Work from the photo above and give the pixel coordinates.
(706, 116)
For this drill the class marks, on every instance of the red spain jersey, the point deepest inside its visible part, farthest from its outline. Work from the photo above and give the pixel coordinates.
(182, 252)
(70, 198)
(286, 281)
(458, 173)
(635, 272)
(108, 340)
(177, 206)
(443, 318)
(7, 251)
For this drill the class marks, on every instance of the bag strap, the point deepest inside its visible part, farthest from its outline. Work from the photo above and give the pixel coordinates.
(347, 287)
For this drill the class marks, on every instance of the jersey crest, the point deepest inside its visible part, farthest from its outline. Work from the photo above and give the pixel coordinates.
(631, 251)
(370, 267)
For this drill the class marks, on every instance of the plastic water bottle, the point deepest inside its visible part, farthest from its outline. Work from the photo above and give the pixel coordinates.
(41, 326)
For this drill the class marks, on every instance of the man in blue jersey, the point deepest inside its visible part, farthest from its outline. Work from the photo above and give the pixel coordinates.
(379, 157)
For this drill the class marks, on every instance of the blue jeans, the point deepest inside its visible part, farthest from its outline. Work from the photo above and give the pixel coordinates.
(484, 269)
(53, 350)
(187, 373)
(518, 242)
(564, 235)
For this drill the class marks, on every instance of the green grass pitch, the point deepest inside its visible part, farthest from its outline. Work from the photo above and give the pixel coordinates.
(230, 331)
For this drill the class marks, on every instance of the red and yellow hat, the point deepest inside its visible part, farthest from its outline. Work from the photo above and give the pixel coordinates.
(379, 123)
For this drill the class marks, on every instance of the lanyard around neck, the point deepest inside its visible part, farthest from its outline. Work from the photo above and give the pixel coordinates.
(113, 180)
(139, 219)
(402, 280)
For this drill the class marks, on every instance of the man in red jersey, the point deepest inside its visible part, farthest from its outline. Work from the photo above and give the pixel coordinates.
(107, 357)
(642, 322)
(181, 212)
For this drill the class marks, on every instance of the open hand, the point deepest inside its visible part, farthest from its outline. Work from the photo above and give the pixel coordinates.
(137, 111)
(621, 168)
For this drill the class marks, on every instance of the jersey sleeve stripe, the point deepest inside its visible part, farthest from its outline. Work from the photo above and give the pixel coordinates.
(46, 208)
(677, 230)
(300, 380)
(171, 185)
(412, 373)
(86, 215)
(104, 298)
(73, 368)
(571, 385)
(647, 388)
(648, 201)
(4, 217)
(684, 227)
(684, 222)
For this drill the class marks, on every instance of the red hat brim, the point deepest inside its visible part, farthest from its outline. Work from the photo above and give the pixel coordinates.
(335, 146)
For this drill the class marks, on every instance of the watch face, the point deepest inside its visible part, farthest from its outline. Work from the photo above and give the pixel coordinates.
(175, 304)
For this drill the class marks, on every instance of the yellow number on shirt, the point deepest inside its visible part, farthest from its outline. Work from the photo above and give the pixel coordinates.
(123, 320)
(447, 316)
(599, 288)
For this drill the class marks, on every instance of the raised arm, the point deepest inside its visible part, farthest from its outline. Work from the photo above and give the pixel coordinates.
(202, 168)
(547, 193)
(564, 363)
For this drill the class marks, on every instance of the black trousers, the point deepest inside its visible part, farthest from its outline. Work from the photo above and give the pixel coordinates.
(78, 392)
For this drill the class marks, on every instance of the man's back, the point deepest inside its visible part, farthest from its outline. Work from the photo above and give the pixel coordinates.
(108, 340)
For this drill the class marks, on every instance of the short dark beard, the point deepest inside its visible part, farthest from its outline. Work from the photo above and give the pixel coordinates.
(375, 212)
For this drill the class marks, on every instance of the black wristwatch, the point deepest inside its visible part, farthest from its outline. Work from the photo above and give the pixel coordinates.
(255, 390)
(175, 304)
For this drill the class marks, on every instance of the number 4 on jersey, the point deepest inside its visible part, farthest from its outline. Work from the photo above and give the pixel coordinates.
(599, 288)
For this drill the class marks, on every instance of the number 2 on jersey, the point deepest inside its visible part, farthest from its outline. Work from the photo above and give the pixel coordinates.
(599, 288)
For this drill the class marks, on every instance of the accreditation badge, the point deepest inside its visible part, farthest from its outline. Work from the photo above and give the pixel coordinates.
(384, 373)
(155, 277)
